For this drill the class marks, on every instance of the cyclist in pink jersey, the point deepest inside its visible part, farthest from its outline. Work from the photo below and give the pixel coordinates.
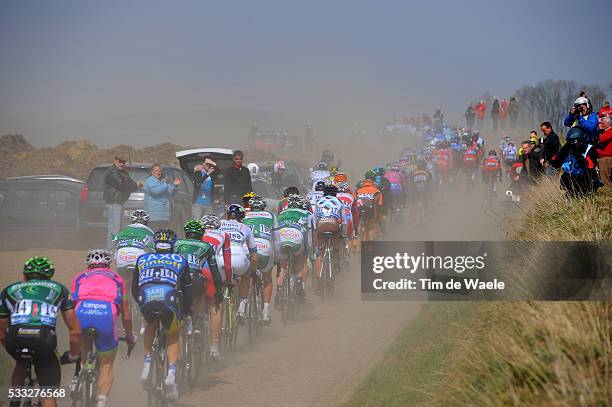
(99, 295)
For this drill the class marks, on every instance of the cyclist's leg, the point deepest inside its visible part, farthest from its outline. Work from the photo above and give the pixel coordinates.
(240, 267)
(213, 312)
(266, 263)
(198, 282)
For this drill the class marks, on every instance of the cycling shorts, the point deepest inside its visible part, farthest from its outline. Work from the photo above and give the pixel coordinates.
(42, 342)
(101, 316)
(291, 241)
(220, 265)
(327, 225)
(240, 261)
(162, 311)
(265, 252)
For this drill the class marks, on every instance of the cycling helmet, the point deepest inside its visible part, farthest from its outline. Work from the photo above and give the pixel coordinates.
(236, 211)
(279, 166)
(492, 153)
(421, 165)
(575, 135)
(344, 187)
(294, 201)
(140, 216)
(39, 265)
(370, 174)
(290, 191)
(333, 170)
(320, 186)
(379, 171)
(98, 258)
(164, 239)
(257, 204)
(507, 138)
(330, 190)
(340, 177)
(253, 168)
(247, 197)
(395, 166)
(322, 166)
(305, 203)
(193, 227)
(210, 222)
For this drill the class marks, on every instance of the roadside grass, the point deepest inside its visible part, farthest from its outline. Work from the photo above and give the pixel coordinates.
(508, 353)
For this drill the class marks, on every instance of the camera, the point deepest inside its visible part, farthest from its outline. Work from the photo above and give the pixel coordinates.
(578, 110)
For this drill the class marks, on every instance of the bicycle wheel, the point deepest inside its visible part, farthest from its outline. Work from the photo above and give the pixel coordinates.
(285, 296)
(260, 304)
(234, 317)
(293, 297)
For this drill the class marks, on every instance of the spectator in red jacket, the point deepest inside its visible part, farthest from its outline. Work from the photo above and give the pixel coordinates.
(604, 148)
(605, 108)
(503, 112)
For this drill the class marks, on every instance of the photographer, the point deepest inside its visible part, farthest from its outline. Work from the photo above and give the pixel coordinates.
(158, 197)
(582, 114)
(203, 188)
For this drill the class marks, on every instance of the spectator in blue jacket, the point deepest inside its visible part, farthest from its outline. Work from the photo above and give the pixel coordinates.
(582, 114)
(203, 188)
(158, 197)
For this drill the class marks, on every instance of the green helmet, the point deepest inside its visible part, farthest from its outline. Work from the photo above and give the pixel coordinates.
(39, 265)
(194, 227)
(370, 174)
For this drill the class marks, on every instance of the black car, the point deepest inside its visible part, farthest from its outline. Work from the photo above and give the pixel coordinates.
(39, 210)
(92, 209)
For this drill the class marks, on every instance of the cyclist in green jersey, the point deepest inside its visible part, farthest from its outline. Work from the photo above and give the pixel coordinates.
(131, 242)
(206, 281)
(296, 224)
(28, 318)
(265, 230)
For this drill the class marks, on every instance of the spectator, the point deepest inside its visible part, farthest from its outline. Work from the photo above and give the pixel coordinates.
(117, 189)
(470, 115)
(236, 180)
(513, 111)
(277, 175)
(481, 108)
(438, 119)
(531, 160)
(550, 144)
(604, 148)
(203, 188)
(503, 112)
(426, 120)
(158, 197)
(578, 160)
(582, 114)
(605, 108)
(495, 112)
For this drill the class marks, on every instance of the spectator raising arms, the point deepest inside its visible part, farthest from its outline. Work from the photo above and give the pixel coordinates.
(117, 189)
(158, 197)
(236, 180)
(582, 114)
(203, 188)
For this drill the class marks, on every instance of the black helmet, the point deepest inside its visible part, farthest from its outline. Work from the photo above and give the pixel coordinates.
(320, 186)
(290, 191)
(492, 152)
(235, 211)
(330, 190)
(575, 135)
(164, 239)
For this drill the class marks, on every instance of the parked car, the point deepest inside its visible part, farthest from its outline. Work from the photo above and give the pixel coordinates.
(92, 209)
(39, 210)
(223, 157)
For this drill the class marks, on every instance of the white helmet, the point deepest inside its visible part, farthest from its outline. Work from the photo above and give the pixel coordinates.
(253, 168)
(279, 166)
(581, 101)
(98, 257)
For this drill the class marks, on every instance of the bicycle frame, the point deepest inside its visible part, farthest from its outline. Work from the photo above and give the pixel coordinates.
(229, 324)
(157, 390)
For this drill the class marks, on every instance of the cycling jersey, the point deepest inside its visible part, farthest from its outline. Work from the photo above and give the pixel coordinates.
(470, 157)
(351, 210)
(98, 294)
(328, 211)
(295, 231)
(158, 278)
(397, 181)
(240, 236)
(264, 226)
(509, 153)
(491, 167)
(313, 197)
(420, 181)
(131, 242)
(34, 302)
(222, 244)
(318, 175)
(202, 264)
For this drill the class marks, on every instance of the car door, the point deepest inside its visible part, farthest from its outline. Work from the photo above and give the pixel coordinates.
(66, 205)
(32, 207)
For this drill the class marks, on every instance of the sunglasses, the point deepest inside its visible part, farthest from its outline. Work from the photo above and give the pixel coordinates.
(121, 162)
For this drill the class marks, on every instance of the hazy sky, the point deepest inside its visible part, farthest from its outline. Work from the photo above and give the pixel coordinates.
(142, 72)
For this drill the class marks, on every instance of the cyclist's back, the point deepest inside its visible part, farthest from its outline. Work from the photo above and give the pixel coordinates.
(131, 242)
(264, 226)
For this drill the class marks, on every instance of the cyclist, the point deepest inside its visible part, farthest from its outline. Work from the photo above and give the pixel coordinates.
(442, 158)
(347, 198)
(221, 242)
(369, 203)
(287, 192)
(470, 162)
(159, 277)
(206, 281)
(245, 200)
(491, 169)
(99, 295)
(329, 217)
(240, 236)
(264, 226)
(504, 143)
(296, 225)
(321, 173)
(420, 184)
(385, 189)
(131, 242)
(314, 196)
(28, 318)
(397, 180)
